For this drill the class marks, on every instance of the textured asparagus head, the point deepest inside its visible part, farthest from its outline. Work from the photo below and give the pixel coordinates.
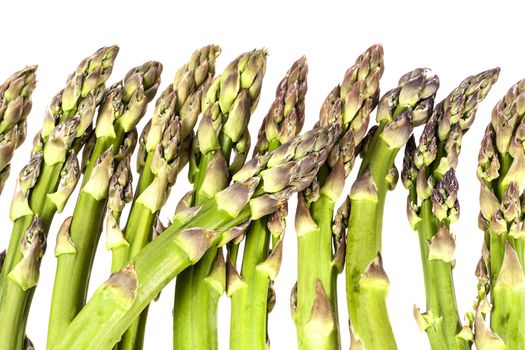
(125, 102)
(290, 168)
(285, 118)
(228, 105)
(351, 102)
(15, 105)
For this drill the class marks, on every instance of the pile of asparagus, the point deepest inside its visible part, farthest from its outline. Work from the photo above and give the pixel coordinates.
(226, 235)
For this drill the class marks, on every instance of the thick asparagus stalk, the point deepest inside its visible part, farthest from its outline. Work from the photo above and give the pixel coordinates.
(123, 105)
(15, 105)
(228, 104)
(159, 162)
(321, 248)
(251, 290)
(399, 110)
(259, 188)
(500, 170)
(429, 175)
(44, 186)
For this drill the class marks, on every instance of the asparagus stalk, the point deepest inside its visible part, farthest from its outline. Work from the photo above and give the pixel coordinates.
(44, 186)
(399, 110)
(259, 188)
(228, 104)
(159, 162)
(251, 290)
(321, 248)
(500, 171)
(429, 175)
(15, 105)
(123, 105)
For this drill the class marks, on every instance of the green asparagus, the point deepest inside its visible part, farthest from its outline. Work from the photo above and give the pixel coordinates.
(429, 175)
(251, 289)
(227, 106)
(258, 189)
(321, 247)
(399, 110)
(15, 105)
(501, 163)
(159, 162)
(115, 135)
(44, 186)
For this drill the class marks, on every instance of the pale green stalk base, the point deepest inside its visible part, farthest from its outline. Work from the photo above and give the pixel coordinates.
(249, 304)
(98, 327)
(315, 264)
(367, 308)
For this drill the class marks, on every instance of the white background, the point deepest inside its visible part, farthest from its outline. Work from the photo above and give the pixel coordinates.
(455, 40)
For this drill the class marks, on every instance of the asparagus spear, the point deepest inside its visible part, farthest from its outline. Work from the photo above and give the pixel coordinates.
(399, 110)
(229, 101)
(429, 175)
(258, 189)
(123, 105)
(15, 105)
(501, 163)
(44, 186)
(251, 290)
(321, 248)
(159, 162)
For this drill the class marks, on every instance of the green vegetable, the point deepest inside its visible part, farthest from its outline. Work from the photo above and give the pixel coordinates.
(321, 240)
(227, 106)
(15, 105)
(429, 175)
(501, 163)
(251, 290)
(161, 156)
(115, 136)
(399, 110)
(44, 186)
(259, 188)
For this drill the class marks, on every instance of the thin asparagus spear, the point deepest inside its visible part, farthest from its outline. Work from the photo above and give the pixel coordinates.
(44, 185)
(429, 175)
(399, 110)
(501, 163)
(228, 104)
(258, 189)
(321, 248)
(15, 105)
(159, 162)
(251, 290)
(123, 105)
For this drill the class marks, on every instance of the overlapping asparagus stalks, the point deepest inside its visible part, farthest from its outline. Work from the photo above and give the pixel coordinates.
(44, 186)
(251, 289)
(228, 104)
(258, 189)
(15, 105)
(321, 240)
(429, 175)
(399, 110)
(160, 158)
(501, 165)
(115, 136)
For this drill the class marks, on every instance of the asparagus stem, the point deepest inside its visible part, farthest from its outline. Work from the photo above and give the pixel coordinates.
(348, 105)
(258, 189)
(162, 141)
(263, 247)
(122, 107)
(399, 111)
(228, 104)
(15, 105)
(500, 171)
(45, 184)
(429, 176)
